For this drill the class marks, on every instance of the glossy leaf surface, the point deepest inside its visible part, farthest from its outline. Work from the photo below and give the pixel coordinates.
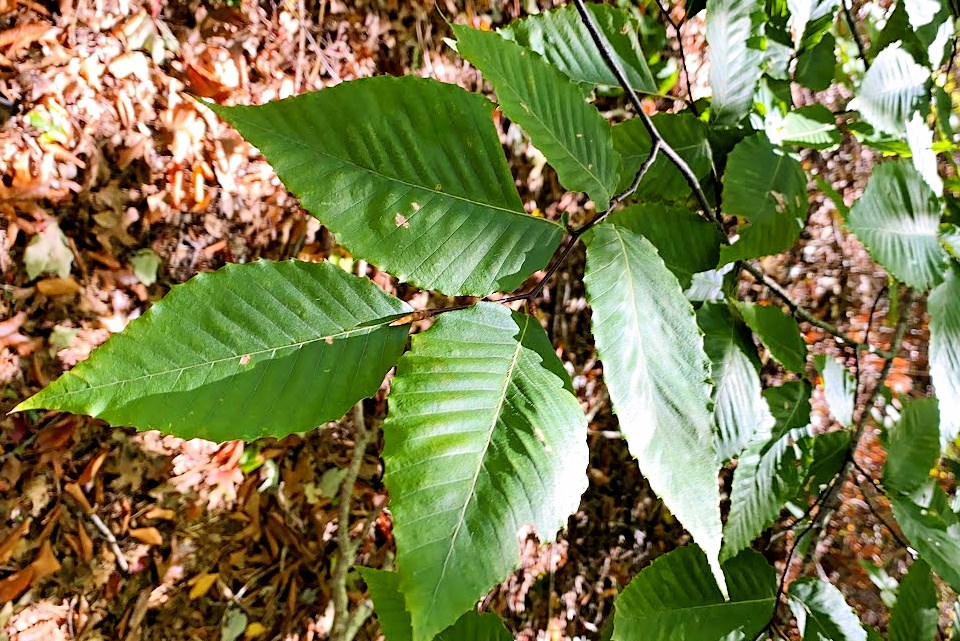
(483, 437)
(247, 351)
(419, 186)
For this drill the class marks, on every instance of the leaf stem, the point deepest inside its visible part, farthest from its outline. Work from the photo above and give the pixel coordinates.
(853, 32)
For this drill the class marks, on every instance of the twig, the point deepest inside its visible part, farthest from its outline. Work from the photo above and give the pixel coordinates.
(342, 618)
(665, 11)
(876, 513)
(576, 234)
(853, 32)
(112, 541)
(800, 312)
(866, 335)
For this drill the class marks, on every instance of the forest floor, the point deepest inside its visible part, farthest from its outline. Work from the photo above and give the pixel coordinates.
(123, 184)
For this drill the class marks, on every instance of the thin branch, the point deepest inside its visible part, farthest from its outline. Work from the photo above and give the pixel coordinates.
(111, 541)
(876, 513)
(341, 628)
(853, 32)
(801, 313)
(665, 11)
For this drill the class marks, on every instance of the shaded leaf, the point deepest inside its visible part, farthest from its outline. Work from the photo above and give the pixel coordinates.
(687, 242)
(769, 189)
(944, 308)
(897, 219)
(48, 253)
(240, 353)
(463, 228)
(656, 371)
(576, 140)
(561, 37)
(934, 531)
(822, 613)
(734, 33)
(915, 616)
(676, 599)
(815, 67)
(913, 446)
(779, 332)
(892, 89)
(663, 181)
(388, 603)
(482, 437)
(738, 405)
(810, 20)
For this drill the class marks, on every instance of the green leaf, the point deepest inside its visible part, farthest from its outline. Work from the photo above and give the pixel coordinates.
(892, 89)
(419, 186)
(738, 405)
(765, 479)
(915, 616)
(944, 308)
(474, 626)
(816, 66)
(767, 472)
(769, 189)
(934, 531)
(897, 219)
(822, 613)
(246, 351)
(663, 181)
(676, 599)
(822, 459)
(913, 446)
(145, 264)
(561, 37)
(576, 140)
(656, 371)
(395, 620)
(779, 332)
(687, 243)
(839, 389)
(810, 20)
(734, 32)
(813, 127)
(388, 603)
(482, 437)
(48, 252)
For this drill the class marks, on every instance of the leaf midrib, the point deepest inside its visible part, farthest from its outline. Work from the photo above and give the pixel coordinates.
(322, 152)
(349, 333)
(480, 464)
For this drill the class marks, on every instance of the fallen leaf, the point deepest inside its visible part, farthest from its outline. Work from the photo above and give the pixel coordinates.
(145, 265)
(48, 252)
(58, 286)
(148, 535)
(201, 584)
(9, 543)
(45, 563)
(16, 584)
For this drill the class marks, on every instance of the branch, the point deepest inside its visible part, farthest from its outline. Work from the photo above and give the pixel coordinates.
(876, 513)
(665, 11)
(853, 32)
(345, 626)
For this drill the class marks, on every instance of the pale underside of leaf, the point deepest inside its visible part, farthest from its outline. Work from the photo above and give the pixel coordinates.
(892, 90)
(243, 352)
(897, 219)
(656, 371)
(733, 29)
(944, 308)
(822, 613)
(482, 438)
(419, 185)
